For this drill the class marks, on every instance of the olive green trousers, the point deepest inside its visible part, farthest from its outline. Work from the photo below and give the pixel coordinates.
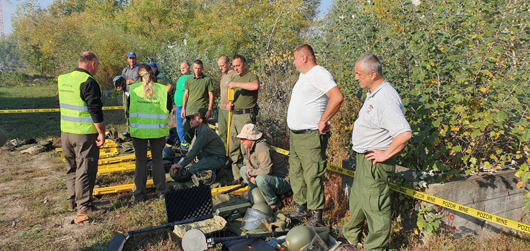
(307, 162)
(370, 201)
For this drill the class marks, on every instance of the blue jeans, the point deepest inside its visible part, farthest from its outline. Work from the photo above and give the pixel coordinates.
(180, 128)
(269, 185)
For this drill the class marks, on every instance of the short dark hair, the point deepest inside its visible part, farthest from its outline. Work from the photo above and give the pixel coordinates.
(306, 50)
(243, 60)
(198, 61)
(87, 56)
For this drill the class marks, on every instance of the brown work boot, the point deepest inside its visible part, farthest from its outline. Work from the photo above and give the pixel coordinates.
(84, 210)
(71, 206)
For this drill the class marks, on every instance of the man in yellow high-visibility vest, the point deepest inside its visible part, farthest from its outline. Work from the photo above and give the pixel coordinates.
(82, 131)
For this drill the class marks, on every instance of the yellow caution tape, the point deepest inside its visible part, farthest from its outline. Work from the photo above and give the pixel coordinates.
(52, 110)
(447, 204)
(281, 151)
(437, 201)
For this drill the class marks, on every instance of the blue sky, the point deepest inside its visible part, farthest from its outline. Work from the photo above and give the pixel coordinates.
(9, 9)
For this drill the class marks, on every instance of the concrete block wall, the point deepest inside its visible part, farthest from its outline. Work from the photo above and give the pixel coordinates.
(492, 193)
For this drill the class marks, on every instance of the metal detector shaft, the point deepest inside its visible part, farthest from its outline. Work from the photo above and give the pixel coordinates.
(119, 240)
(211, 241)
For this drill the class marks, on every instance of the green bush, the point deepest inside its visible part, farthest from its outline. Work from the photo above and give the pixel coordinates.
(461, 68)
(13, 78)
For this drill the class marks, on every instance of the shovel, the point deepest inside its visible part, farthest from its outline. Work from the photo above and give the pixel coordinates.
(118, 242)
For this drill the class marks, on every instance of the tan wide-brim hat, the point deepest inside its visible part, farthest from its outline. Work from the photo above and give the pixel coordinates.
(250, 132)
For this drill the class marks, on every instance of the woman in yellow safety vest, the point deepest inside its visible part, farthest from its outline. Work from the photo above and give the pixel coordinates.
(148, 119)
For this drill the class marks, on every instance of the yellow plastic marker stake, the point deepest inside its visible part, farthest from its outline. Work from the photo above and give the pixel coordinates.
(231, 94)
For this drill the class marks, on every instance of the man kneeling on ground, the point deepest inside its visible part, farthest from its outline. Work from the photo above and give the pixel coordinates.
(264, 168)
(206, 145)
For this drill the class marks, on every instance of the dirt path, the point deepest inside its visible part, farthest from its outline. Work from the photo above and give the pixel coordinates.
(33, 202)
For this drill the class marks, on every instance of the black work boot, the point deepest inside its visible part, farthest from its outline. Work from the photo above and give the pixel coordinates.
(300, 212)
(316, 218)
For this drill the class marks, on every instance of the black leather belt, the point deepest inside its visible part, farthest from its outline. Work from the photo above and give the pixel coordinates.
(303, 131)
(244, 111)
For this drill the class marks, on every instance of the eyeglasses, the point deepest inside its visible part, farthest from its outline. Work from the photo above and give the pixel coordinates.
(244, 140)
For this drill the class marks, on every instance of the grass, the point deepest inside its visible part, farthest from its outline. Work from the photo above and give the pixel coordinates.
(33, 196)
(41, 126)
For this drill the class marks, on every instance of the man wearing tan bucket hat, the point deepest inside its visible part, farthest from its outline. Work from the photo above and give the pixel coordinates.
(264, 168)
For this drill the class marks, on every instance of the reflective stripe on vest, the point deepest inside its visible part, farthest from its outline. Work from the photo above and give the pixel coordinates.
(149, 126)
(75, 117)
(148, 117)
(81, 120)
(74, 107)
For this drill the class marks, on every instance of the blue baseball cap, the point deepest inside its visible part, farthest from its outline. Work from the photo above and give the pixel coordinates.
(131, 54)
(153, 64)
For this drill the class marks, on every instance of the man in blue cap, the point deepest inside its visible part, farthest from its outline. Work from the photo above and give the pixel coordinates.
(161, 78)
(130, 74)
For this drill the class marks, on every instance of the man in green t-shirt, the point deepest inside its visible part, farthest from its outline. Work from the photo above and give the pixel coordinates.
(198, 97)
(228, 74)
(179, 94)
(244, 109)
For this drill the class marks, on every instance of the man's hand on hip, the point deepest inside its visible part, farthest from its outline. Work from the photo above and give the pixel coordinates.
(323, 127)
(377, 156)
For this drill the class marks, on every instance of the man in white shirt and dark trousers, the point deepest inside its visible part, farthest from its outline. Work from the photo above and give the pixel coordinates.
(314, 101)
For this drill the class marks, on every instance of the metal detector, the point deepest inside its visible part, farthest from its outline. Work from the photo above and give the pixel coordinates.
(119, 240)
(195, 239)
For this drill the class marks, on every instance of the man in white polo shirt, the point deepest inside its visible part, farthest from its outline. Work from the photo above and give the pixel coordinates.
(314, 100)
(379, 133)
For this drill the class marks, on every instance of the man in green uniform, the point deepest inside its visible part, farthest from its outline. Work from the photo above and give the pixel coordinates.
(207, 147)
(179, 94)
(222, 119)
(198, 97)
(315, 99)
(244, 109)
(264, 167)
(380, 132)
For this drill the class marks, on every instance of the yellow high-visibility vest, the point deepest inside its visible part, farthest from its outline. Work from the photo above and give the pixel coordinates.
(148, 118)
(75, 117)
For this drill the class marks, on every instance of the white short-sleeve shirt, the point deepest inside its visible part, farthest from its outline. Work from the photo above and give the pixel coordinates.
(380, 120)
(309, 99)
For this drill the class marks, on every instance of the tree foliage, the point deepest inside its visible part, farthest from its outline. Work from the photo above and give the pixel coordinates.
(461, 68)
(51, 39)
